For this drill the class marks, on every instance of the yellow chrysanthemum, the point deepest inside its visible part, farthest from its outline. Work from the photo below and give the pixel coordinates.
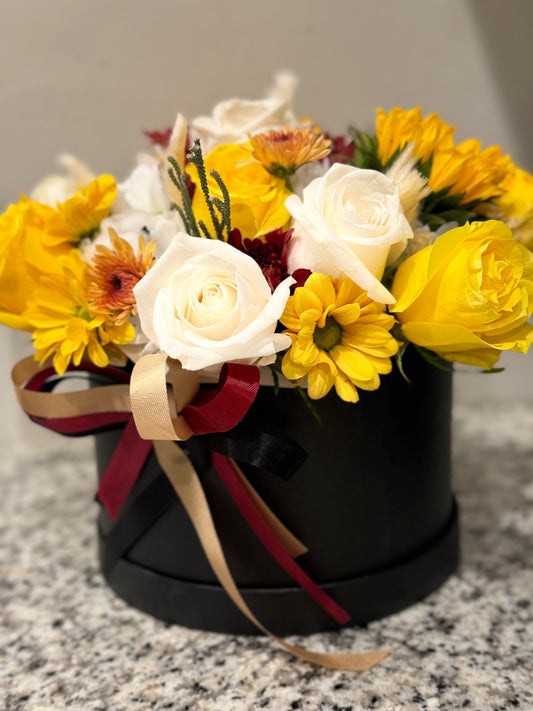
(515, 205)
(399, 128)
(257, 197)
(63, 323)
(464, 168)
(81, 215)
(469, 170)
(23, 258)
(340, 337)
(282, 152)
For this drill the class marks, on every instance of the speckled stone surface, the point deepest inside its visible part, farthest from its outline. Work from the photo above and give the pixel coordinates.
(66, 642)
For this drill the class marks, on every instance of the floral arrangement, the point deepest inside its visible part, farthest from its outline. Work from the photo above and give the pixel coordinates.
(251, 237)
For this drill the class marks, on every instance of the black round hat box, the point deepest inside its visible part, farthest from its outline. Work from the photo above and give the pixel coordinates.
(372, 503)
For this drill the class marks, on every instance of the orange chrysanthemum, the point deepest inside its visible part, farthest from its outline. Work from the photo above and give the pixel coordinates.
(282, 152)
(114, 273)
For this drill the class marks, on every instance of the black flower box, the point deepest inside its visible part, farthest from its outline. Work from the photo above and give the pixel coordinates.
(372, 502)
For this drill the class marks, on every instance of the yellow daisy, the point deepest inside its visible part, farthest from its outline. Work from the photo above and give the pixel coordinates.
(469, 170)
(340, 337)
(63, 324)
(81, 215)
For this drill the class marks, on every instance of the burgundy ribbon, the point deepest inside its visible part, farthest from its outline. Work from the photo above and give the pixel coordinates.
(222, 409)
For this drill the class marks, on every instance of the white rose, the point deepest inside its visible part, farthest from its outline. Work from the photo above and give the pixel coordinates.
(350, 223)
(233, 120)
(129, 225)
(205, 303)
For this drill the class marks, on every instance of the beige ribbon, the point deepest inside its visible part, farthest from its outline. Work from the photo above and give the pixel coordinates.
(108, 398)
(156, 408)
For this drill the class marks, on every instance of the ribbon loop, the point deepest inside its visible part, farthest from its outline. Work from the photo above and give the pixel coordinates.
(156, 415)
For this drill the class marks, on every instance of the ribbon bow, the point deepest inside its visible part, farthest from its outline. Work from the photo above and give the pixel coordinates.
(161, 405)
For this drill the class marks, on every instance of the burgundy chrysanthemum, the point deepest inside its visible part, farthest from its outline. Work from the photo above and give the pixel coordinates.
(159, 138)
(342, 149)
(271, 255)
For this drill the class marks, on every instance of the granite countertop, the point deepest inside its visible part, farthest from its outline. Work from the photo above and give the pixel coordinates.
(66, 641)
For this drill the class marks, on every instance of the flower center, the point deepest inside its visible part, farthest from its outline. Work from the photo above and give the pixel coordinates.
(329, 335)
(83, 313)
(115, 282)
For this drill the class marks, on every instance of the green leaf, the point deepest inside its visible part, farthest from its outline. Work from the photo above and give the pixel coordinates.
(275, 378)
(399, 362)
(425, 167)
(432, 221)
(448, 202)
(434, 359)
(459, 215)
(365, 151)
(305, 397)
(493, 370)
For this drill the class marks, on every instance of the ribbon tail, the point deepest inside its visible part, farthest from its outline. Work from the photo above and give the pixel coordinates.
(187, 485)
(288, 540)
(123, 469)
(271, 543)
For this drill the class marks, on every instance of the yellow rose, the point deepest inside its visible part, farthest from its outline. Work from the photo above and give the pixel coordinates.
(257, 198)
(23, 258)
(469, 295)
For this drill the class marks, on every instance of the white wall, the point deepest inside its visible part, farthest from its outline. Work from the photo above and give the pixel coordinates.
(86, 76)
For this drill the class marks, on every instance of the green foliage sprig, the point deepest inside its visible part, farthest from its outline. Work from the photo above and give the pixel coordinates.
(222, 221)
(178, 178)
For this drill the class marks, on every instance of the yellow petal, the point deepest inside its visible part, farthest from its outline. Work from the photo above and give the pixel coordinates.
(322, 288)
(345, 389)
(452, 342)
(370, 339)
(347, 314)
(305, 300)
(410, 280)
(352, 363)
(320, 381)
(348, 293)
(97, 354)
(292, 370)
